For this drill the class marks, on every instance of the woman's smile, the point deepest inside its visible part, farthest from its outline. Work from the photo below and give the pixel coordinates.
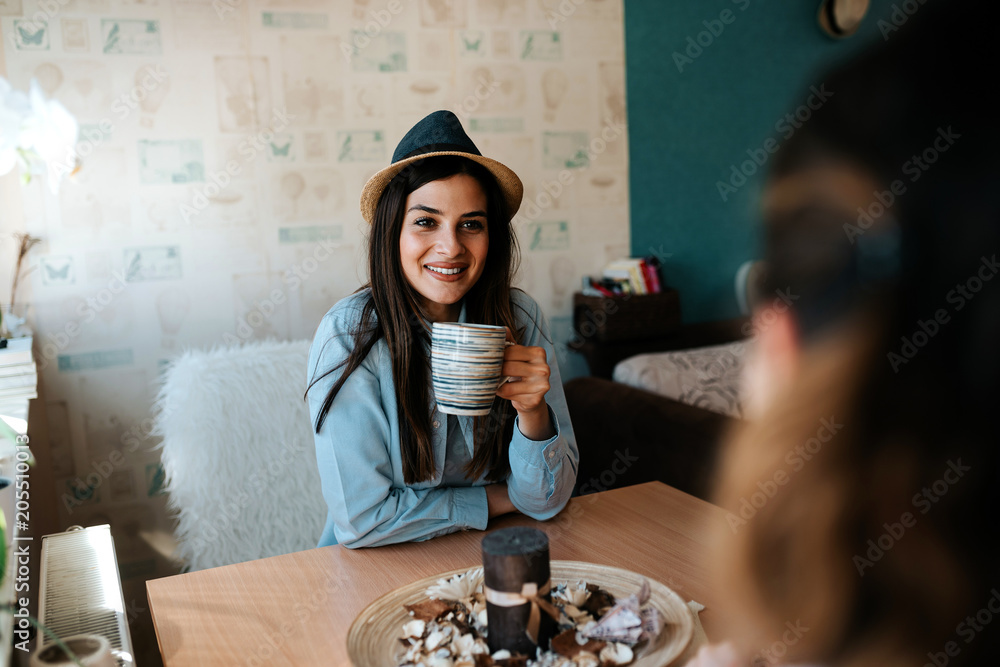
(446, 272)
(444, 242)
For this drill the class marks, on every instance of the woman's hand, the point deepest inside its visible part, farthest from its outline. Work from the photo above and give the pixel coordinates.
(526, 392)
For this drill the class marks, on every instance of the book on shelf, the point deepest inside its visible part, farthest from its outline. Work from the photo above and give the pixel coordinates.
(14, 381)
(630, 270)
(19, 392)
(650, 270)
(18, 351)
(18, 369)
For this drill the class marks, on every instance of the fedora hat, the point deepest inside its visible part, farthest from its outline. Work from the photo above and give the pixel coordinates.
(439, 133)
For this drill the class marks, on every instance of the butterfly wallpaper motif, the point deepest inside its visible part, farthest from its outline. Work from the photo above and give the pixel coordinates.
(219, 150)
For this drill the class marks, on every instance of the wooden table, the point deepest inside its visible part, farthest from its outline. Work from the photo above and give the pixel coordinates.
(296, 609)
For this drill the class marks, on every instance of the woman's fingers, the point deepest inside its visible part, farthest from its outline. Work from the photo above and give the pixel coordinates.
(529, 368)
(525, 353)
(524, 369)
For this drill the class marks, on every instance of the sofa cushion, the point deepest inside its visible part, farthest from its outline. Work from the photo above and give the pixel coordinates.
(705, 377)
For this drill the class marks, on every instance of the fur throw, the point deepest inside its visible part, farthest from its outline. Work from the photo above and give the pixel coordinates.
(239, 454)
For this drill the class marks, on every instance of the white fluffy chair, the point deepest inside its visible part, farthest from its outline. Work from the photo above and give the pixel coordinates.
(238, 453)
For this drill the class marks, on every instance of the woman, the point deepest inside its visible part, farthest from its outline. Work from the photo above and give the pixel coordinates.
(441, 249)
(862, 495)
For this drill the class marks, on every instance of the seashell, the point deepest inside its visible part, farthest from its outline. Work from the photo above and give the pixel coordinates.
(622, 624)
(616, 654)
(502, 654)
(577, 595)
(414, 653)
(414, 629)
(463, 644)
(438, 637)
(459, 587)
(436, 661)
(586, 659)
(481, 618)
(576, 614)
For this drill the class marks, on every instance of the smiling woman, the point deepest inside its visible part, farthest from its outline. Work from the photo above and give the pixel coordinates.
(441, 249)
(444, 243)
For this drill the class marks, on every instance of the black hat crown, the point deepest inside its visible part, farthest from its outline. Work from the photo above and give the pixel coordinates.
(439, 131)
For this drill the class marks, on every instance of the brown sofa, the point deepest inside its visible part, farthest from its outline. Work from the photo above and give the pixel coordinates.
(630, 436)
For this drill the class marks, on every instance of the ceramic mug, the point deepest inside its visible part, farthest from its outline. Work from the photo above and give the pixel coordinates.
(466, 360)
(90, 650)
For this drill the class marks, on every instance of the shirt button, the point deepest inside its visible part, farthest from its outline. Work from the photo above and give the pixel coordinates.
(552, 454)
(436, 424)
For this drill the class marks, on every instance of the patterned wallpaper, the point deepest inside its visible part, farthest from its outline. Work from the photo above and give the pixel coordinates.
(225, 144)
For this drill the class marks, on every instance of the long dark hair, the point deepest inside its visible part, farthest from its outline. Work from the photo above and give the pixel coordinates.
(392, 312)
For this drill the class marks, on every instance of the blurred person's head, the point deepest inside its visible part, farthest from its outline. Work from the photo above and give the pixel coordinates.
(862, 490)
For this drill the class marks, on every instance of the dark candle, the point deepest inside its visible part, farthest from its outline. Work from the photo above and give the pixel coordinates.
(515, 570)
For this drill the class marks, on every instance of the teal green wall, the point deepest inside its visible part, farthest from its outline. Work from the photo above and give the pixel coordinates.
(687, 128)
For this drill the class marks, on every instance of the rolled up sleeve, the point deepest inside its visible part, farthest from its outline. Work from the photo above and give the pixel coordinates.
(543, 473)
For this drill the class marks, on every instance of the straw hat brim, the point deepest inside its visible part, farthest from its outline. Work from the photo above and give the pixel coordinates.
(508, 181)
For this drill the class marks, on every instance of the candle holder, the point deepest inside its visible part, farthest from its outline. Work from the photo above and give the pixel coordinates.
(516, 582)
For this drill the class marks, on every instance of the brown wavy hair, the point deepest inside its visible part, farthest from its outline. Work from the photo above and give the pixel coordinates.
(392, 312)
(883, 541)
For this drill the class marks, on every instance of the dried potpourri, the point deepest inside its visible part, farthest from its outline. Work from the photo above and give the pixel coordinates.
(449, 629)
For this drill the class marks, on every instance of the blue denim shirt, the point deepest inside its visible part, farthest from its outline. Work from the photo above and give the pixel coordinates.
(358, 453)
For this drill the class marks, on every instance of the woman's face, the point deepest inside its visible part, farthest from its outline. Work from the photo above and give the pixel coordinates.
(444, 242)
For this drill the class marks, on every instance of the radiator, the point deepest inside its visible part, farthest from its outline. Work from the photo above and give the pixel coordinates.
(80, 592)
